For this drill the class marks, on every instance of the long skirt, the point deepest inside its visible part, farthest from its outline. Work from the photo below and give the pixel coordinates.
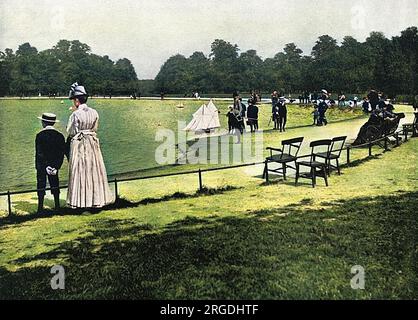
(88, 186)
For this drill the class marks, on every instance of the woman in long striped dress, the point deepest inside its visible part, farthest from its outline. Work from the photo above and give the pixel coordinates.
(88, 186)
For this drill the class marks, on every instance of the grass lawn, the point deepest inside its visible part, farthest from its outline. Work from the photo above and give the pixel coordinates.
(242, 240)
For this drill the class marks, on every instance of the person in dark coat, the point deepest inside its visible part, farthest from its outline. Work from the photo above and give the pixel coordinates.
(243, 108)
(231, 119)
(282, 114)
(322, 109)
(275, 116)
(373, 97)
(382, 103)
(50, 149)
(235, 122)
(315, 114)
(252, 114)
(366, 105)
(274, 99)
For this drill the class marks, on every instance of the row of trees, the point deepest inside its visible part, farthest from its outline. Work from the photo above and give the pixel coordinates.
(390, 65)
(29, 72)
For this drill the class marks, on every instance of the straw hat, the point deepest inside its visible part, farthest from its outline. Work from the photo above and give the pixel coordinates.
(49, 117)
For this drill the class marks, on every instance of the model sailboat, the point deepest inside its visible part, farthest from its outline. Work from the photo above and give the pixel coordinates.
(205, 119)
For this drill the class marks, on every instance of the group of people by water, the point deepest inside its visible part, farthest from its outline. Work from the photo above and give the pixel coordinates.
(374, 101)
(87, 184)
(239, 111)
(237, 114)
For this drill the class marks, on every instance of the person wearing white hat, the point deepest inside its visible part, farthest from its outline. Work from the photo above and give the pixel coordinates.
(49, 156)
(88, 185)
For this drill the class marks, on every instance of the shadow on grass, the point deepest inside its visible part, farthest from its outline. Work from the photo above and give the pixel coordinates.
(359, 162)
(120, 203)
(293, 252)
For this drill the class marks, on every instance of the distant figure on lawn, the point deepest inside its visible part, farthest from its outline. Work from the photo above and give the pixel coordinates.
(275, 109)
(235, 123)
(231, 119)
(341, 100)
(355, 100)
(88, 186)
(322, 109)
(366, 105)
(274, 98)
(315, 114)
(252, 114)
(282, 114)
(49, 156)
(243, 108)
(373, 97)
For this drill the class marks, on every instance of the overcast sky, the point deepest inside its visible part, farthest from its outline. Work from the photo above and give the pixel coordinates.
(149, 31)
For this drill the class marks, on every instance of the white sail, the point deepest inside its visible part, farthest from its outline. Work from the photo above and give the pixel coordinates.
(205, 118)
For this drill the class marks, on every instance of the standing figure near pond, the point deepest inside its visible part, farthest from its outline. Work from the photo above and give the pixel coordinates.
(88, 186)
(49, 156)
(322, 109)
(282, 114)
(252, 114)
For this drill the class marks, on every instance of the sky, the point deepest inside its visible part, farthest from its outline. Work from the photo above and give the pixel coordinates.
(148, 32)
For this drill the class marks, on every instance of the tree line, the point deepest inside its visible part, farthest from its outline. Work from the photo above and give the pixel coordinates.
(50, 72)
(388, 65)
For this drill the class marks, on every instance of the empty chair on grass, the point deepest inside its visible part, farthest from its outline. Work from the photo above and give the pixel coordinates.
(284, 157)
(317, 168)
(334, 154)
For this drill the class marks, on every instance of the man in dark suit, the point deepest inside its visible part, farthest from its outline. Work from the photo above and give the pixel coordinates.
(50, 149)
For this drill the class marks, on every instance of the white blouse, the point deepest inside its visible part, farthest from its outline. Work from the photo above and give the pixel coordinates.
(83, 119)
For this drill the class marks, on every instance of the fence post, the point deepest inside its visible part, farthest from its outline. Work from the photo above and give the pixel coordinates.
(370, 149)
(397, 139)
(406, 134)
(9, 203)
(266, 171)
(348, 155)
(200, 180)
(386, 143)
(116, 189)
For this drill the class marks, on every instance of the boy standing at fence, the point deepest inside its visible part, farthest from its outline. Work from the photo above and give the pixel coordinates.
(50, 149)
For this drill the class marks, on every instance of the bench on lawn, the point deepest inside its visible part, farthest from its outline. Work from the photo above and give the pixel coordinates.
(411, 127)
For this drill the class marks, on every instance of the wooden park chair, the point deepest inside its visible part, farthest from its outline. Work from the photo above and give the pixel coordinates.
(285, 156)
(411, 127)
(334, 154)
(317, 169)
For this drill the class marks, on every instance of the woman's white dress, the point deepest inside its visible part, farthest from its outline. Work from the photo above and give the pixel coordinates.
(88, 186)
